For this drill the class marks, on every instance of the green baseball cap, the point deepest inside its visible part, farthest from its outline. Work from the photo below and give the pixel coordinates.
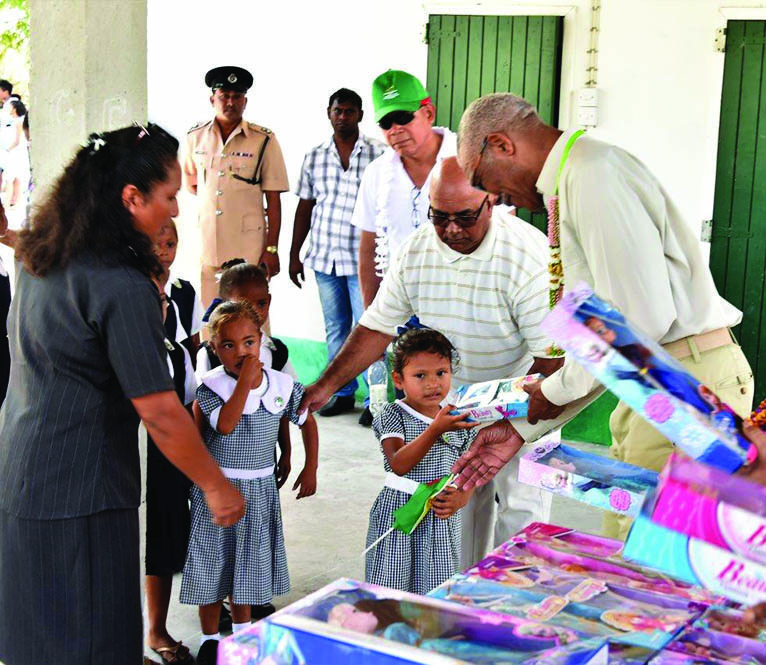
(396, 90)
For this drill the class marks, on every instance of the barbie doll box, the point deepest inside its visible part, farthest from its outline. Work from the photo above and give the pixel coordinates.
(593, 479)
(353, 622)
(494, 400)
(708, 504)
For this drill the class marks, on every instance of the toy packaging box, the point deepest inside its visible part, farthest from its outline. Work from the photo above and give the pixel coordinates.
(353, 622)
(581, 554)
(694, 561)
(705, 503)
(598, 481)
(648, 379)
(494, 400)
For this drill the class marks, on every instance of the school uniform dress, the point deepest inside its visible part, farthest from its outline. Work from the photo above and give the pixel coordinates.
(247, 560)
(431, 554)
(167, 489)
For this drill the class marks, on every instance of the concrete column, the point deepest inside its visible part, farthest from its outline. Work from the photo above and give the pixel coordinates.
(88, 74)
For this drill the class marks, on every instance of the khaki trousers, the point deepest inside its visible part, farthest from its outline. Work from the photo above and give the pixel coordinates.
(635, 441)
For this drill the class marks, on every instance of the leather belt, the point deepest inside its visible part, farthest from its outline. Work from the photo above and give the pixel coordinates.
(695, 344)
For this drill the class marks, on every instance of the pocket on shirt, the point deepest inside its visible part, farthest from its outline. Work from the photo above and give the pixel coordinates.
(252, 222)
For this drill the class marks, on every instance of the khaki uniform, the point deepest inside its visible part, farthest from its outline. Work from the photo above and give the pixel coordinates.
(231, 213)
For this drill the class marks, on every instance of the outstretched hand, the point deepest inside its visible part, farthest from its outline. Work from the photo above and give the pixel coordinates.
(539, 407)
(315, 396)
(755, 472)
(492, 449)
(448, 420)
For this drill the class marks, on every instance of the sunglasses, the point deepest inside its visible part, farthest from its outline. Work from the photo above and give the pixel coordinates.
(476, 182)
(464, 220)
(400, 118)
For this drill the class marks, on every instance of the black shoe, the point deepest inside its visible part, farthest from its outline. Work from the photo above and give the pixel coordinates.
(224, 621)
(258, 612)
(337, 405)
(208, 653)
(365, 420)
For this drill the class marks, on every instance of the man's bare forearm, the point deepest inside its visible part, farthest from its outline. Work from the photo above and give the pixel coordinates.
(362, 348)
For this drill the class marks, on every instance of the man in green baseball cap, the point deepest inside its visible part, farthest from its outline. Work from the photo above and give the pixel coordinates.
(393, 196)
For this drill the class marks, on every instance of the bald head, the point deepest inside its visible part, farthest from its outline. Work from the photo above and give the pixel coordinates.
(449, 182)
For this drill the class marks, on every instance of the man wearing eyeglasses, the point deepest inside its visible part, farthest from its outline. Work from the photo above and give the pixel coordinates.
(622, 234)
(480, 279)
(393, 196)
(232, 165)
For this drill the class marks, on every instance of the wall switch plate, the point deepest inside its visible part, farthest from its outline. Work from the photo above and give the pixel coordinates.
(587, 116)
(587, 97)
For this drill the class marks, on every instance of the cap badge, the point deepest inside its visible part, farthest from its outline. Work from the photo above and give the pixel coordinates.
(232, 78)
(391, 93)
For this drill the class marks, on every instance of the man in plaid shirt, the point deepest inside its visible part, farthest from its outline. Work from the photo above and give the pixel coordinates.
(327, 189)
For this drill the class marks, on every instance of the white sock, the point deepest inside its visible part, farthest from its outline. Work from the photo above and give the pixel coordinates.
(236, 627)
(205, 638)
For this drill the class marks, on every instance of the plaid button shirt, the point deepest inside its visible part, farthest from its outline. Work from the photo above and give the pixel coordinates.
(333, 241)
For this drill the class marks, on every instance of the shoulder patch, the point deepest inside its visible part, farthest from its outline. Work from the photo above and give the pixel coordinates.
(259, 128)
(199, 125)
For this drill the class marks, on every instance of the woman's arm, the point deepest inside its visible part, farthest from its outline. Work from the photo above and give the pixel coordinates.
(175, 434)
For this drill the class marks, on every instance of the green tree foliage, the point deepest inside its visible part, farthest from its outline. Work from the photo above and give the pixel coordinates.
(14, 43)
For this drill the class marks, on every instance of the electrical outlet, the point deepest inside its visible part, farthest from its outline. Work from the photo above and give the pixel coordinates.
(587, 97)
(587, 116)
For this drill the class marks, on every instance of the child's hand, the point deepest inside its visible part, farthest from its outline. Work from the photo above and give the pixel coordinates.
(446, 422)
(307, 481)
(448, 502)
(283, 468)
(251, 365)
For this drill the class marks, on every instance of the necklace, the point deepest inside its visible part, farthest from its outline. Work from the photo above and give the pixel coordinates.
(555, 267)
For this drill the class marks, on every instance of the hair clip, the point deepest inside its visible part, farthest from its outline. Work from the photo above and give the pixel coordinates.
(144, 131)
(95, 143)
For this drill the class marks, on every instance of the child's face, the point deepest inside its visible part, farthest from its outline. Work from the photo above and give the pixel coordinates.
(425, 378)
(165, 247)
(235, 341)
(257, 295)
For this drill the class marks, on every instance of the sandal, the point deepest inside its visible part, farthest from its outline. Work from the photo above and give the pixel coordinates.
(178, 654)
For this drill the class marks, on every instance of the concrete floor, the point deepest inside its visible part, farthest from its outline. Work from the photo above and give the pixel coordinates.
(325, 534)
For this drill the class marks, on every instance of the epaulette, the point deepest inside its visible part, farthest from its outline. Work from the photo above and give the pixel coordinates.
(198, 126)
(258, 128)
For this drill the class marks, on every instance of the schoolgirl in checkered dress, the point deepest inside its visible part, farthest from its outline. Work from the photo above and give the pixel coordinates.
(429, 444)
(247, 561)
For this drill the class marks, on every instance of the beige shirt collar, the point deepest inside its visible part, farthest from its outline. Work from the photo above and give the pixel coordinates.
(546, 182)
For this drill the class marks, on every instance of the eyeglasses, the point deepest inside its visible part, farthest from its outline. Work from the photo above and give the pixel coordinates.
(476, 182)
(464, 220)
(400, 118)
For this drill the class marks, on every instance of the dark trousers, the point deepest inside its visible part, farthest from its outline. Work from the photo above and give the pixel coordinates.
(70, 590)
(5, 355)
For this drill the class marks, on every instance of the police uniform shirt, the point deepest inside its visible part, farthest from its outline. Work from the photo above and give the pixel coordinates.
(231, 212)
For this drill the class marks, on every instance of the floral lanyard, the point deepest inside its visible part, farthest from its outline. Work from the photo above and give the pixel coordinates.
(555, 267)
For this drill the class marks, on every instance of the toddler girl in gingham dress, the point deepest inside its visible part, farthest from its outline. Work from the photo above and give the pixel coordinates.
(239, 406)
(420, 441)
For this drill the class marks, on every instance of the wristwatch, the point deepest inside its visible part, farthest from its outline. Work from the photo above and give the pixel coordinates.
(271, 249)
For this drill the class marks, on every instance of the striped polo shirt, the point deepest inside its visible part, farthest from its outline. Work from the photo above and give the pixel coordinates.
(488, 303)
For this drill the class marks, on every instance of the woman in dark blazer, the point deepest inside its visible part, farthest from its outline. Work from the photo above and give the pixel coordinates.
(87, 361)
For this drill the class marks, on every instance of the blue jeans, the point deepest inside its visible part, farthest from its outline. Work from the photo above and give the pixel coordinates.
(342, 307)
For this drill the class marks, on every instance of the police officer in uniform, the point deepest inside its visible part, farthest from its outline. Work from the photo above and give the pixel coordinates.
(232, 165)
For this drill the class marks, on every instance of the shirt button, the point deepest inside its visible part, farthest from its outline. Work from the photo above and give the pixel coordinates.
(219, 193)
(219, 213)
(220, 174)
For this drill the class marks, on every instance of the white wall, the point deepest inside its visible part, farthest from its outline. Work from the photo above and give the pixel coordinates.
(659, 79)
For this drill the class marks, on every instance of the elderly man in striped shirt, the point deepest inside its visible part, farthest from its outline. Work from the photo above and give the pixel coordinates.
(481, 279)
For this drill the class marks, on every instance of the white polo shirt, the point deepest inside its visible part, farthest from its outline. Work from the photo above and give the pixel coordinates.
(390, 205)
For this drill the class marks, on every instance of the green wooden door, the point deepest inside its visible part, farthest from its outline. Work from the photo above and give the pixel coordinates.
(471, 56)
(738, 243)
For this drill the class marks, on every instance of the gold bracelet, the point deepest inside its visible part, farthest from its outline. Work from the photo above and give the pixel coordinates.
(271, 249)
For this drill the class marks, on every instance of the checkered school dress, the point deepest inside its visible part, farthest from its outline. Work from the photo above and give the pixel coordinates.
(247, 560)
(423, 560)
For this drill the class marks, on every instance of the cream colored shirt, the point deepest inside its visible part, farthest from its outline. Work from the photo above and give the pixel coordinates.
(231, 212)
(623, 235)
